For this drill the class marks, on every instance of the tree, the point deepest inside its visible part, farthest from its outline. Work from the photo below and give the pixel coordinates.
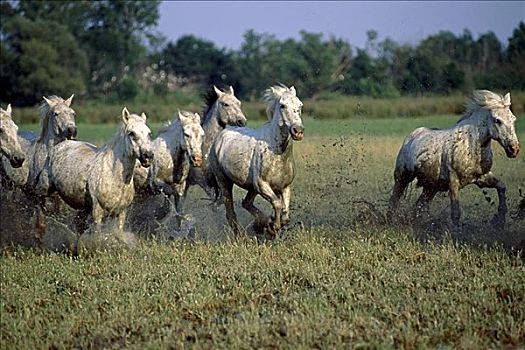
(111, 33)
(39, 58)
(199, 60)
(514, 69)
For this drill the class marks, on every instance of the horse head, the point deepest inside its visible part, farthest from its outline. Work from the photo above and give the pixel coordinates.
(228, 108)
(501, 126)
(288, 107)
(60, 117)
(138, 137)
(10, 147)
(192, 136)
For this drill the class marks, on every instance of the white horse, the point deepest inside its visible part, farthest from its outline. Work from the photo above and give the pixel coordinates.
(222, 109)
(99, 181)
(177, 147)
(9, 144)
(451, 159)
(260, 160)
(57, 119)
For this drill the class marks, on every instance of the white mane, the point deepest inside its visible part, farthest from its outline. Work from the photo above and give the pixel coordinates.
(486, 99)
(272, 96)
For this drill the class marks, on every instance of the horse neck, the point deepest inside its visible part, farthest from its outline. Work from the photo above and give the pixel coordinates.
(211, 128)
(476, 130)
(122, 164)
(279, 137)
(47, 137)
(173, 138)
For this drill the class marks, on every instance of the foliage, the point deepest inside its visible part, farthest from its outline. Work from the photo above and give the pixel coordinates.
(110, 43)
(97, 44)
(45, 63)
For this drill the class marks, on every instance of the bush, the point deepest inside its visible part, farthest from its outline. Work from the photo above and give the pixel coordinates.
(128, 89)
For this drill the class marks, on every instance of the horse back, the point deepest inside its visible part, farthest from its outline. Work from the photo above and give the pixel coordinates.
(69, 166)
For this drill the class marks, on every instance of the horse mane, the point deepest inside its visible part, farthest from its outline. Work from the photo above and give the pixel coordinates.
(169, 124)
(120, 133)
(272, 95)
(483, 99)
(209, 100)
(44, 109)
(164, 127)
(121, 130)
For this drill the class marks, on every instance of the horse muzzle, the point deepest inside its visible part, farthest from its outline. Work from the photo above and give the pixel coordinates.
(70, 133)
(241, 122)
(146, 158)
(196, 160)
(297, 132)
(512, 150)
(16, 161)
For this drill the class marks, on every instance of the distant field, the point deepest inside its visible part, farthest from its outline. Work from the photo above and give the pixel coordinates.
(339, 277)
(324, 106)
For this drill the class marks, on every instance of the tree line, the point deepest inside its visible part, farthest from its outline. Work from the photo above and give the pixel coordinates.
(110, 50)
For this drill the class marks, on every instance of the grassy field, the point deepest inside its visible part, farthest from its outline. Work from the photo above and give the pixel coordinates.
(339, 277)
(323, 106)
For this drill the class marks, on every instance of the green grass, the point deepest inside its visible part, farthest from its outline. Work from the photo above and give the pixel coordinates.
(314, 127)
(325, 106)
(339, 279)
(318, 289)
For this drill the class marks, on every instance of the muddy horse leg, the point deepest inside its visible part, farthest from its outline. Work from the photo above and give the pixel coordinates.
(455, 210)
(423, 201)
(400, 185)
(277, 204)
(491, 181)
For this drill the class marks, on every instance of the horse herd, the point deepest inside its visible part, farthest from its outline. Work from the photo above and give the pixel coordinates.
(218, 151)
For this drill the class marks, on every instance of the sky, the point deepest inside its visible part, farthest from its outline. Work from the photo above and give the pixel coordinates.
(406, 22)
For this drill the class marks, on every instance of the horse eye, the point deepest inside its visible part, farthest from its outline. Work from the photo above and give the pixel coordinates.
(225, 104)
(282, 106)
(132, 134)
(186, 134)
(498, 121)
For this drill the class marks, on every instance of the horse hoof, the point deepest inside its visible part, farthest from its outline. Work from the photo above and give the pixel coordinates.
(270, 234)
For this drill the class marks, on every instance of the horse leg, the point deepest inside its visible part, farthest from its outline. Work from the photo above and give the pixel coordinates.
(80, 221)
(277, 204)
(226, 187)
(286, 194)
(179, 195)
(455, 211)
(401, 183)
(97, 214)
(423, 201)
(41, 223)
(121, 217)
(247, 203)
(489, 180)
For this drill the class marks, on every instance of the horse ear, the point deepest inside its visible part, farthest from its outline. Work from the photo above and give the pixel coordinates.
(180, 116)
(292, 90)
(9, 110)
(143, 116)
(507, 99)
(231, 90)
(68, 101)
(217, 91)
(125, 115)
(197, 118)
(49, 103)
